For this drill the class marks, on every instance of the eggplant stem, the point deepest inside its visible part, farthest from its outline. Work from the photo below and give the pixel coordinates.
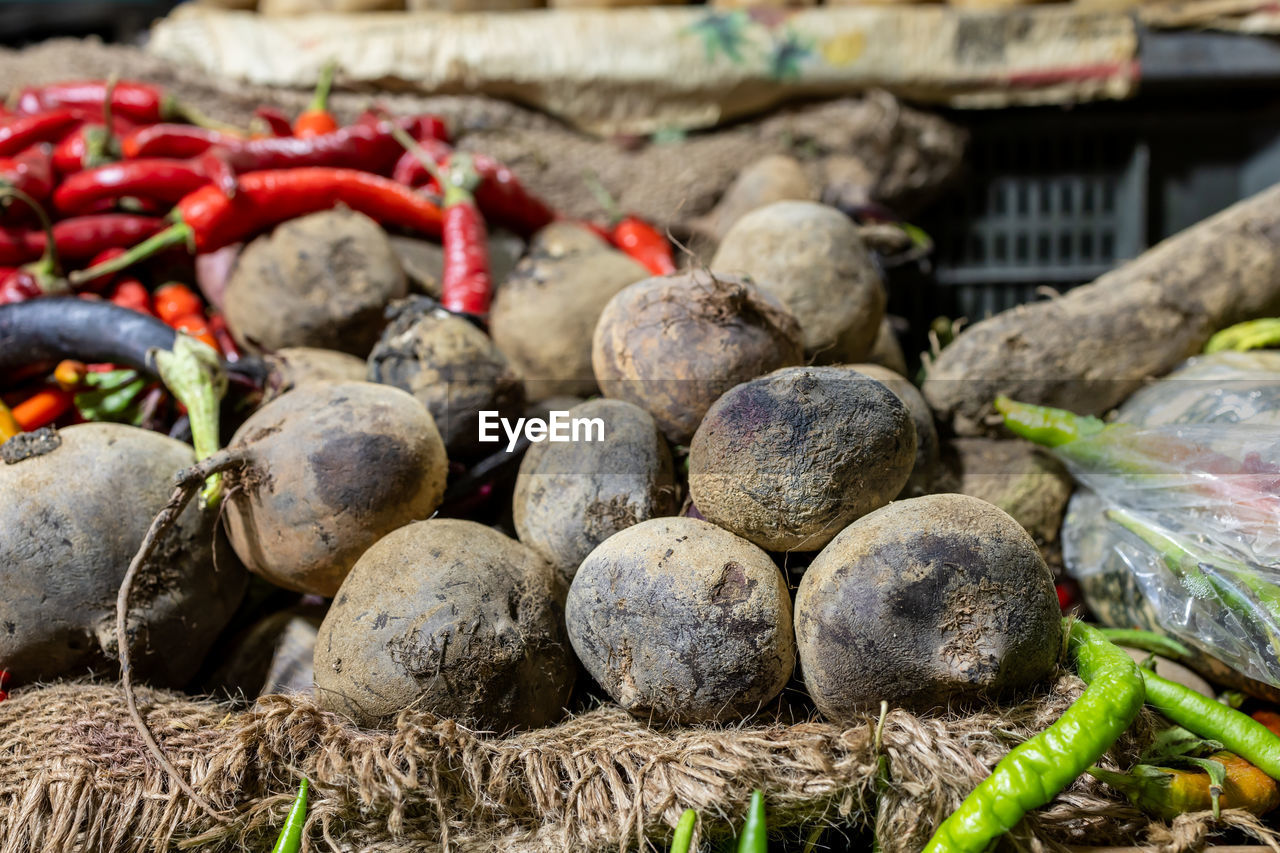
(194, 374)
(188, 480)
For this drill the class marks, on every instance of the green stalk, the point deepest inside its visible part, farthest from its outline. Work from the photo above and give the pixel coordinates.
(194, 374)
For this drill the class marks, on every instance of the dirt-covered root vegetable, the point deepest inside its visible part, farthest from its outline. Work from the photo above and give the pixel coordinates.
(776, 177)
(318, 281)
(674, 344)
(545, 311)
(1020, 478)
(886, 351)
(450, 366)
(571, 496)
(331, 467)
(811, 257)
(923, 602)
(789, 459)
(295, 366)
(1096, 345)
(928, 452)
(682, 621)
(71, 518)
(451, 617)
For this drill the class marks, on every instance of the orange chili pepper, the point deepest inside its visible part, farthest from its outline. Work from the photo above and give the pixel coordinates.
(197, 327)
(316, 118)
(176, 300)
(42, 408)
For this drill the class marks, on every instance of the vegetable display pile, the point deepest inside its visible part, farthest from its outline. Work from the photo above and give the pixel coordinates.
(277, 376)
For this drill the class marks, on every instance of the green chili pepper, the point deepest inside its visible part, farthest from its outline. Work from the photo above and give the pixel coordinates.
(1044, 425)
(1252, 334)
(1238, 732)
(1035, 771)
(683, 837)
(290, 840)
(1186, 560)
(1148, 641)
(755, 832)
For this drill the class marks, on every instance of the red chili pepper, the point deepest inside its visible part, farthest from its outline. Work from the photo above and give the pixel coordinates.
(42, 275)
(31, 172)
(175, 141)
(316, 118)
(275, 122)
(637, 238)
(83, 237)
(43, 408)
(17, 286)
(207, 219)
(90, 145)
(129, 293)
(501, 196)
(138, 101)
(466, 285)
(371, 148)
(20, 133)
(175, 300)
(226, 343)
(159, 180)
(645, 244)
(97, 285)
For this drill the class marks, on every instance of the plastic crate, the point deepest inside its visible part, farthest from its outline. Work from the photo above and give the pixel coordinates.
(1052, 198)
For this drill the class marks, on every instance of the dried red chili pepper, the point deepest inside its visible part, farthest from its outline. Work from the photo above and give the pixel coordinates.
(138, 101)
(21, 132)
(316, 118)
(207, 219)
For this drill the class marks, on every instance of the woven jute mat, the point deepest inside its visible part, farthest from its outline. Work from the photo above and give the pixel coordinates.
(75, 776)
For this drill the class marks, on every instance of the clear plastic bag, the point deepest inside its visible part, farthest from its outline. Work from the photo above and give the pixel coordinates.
(1176, 526)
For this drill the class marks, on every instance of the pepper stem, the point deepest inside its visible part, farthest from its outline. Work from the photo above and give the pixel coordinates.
(324, 83)
(195, 375)
(461, 181)
(603, 197)
(176, 234)
(290, 838)
(46, 270)
(172, 109)
(399, 134)
(1044, 425)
